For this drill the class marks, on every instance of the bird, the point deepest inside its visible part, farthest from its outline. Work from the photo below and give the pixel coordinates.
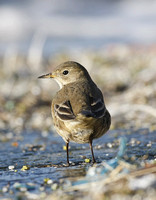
(78, 108)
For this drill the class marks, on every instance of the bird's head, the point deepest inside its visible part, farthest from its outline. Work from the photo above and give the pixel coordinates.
(68, 72)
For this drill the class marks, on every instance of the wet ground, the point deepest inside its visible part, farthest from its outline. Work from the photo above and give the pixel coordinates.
(44, 156)
(32, 162)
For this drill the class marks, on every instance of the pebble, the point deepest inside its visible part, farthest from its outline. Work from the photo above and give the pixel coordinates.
(20, 187)
(54, 186)
(25, 167)
(5, 189)
(42, 188)
(149, 144)
(87, 160)
(11, 167)
(48, 181)
(44, 134)
(64, 148)
(109, 145)
(132, 141)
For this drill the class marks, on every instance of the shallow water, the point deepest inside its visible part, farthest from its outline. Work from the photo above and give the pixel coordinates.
(45, 157)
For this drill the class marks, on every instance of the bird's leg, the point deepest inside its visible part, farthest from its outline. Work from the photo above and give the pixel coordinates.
(67, 143)
(91, 147)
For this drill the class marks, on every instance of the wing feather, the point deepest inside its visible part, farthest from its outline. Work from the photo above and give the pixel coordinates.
(64, 111)
(97, 108)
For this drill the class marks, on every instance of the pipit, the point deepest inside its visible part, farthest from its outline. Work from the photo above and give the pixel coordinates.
(78, 109)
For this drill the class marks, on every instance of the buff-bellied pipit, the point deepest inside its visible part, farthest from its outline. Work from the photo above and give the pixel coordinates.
(78, 109)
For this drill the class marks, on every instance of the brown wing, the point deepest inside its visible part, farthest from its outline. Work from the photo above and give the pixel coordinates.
(96, 109)
(83, 99)
(64, 111)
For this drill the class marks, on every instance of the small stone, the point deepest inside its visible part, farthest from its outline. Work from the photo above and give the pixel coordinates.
(109, 145)
(64, 148)
(42, 189)
(14, 144)
(149, 144)
(11, 167)
(138, 142)
(16, 185)
(145, 157)
(87, 160)
(23, 189)
(25, 167)
(82, 156)
(20, 187)
(54, 186)
(4, 189)
(132, 141)
(48, 181)
(44, 134)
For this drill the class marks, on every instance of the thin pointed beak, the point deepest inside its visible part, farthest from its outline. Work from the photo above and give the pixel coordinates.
(47, 76)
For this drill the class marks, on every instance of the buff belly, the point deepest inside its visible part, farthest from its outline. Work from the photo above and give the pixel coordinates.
(81, 131)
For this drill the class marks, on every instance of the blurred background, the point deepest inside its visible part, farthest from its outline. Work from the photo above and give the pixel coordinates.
(115, 40)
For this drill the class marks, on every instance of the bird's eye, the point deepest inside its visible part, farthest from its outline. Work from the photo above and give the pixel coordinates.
(65, 72)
